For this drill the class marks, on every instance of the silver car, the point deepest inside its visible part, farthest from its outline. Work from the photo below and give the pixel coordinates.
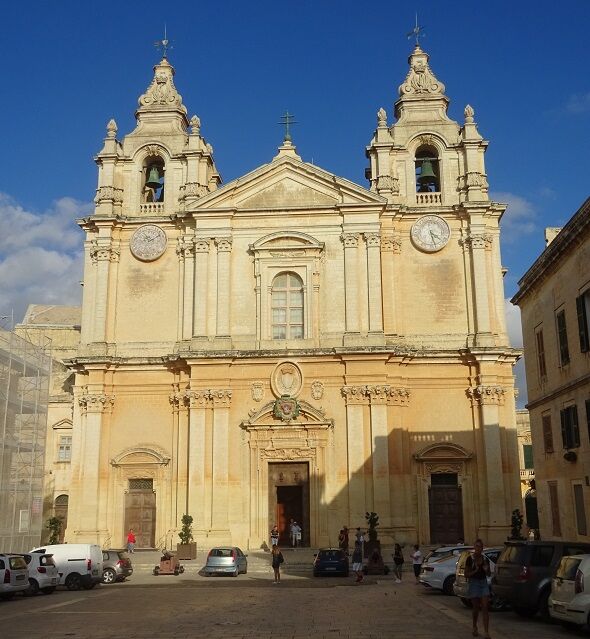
(226, 560)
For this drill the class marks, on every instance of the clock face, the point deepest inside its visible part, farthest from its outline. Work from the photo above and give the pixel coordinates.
(148, 242)
(430, 233)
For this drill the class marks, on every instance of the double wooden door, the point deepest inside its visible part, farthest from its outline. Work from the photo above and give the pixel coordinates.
(140, 515)
(446, 511)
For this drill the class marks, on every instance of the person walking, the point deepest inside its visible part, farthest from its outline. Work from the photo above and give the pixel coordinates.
(292, 524)
(477, 571)
(274, 535)
(357, 561)
(398, 562)
(417, 562)
(131, 541)
(277, 560)
(296, 535)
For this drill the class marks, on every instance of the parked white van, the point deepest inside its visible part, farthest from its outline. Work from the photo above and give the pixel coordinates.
(78, 565)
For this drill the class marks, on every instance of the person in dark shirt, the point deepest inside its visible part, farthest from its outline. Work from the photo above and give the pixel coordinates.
(477, 571)
(277, 560)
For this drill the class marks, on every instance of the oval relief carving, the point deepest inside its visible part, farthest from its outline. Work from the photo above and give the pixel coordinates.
(286, 379)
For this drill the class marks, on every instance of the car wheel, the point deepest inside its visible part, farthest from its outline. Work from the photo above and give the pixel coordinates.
(48, 591)
(466, 602)
(73, 581)
(156, 571)
(176, 572)
(109, 576)
(448, 585)
(33, 588)
(236, 572)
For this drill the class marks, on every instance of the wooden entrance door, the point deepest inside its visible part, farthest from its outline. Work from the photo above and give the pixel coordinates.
(288, 498)
(446, 509)
(140, 514)
(289, 506)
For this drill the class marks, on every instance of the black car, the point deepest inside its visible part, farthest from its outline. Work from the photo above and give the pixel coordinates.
(330, 561)
(525, 569)
(116, 566)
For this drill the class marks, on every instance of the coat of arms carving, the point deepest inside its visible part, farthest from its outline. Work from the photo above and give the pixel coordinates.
(286, 408)
(257, 391)
(317, 389)
(286, 379)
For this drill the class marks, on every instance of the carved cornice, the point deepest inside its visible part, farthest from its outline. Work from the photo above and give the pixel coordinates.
(95, 402)
(477, 241)
(486, 394)
(108, 194)
(207, 397)
(350, 240)
(103, 252)
(288, 453)
(223, 244)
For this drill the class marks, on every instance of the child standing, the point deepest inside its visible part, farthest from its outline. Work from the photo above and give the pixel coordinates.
(277, 560)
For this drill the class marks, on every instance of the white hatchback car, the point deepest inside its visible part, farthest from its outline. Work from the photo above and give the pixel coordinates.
(13, 575)
(440, 573)
(569, 601)
(43, 574)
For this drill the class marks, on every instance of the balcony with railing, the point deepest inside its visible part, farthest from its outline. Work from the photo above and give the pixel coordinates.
(527, 473)
(430, 198)
(151, 208)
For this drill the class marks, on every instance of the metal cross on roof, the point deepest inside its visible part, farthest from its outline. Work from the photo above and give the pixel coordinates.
(287, 120)
(163, 44)
(417, 32)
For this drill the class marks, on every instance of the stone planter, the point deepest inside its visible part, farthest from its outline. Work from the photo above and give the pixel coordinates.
(186, 551)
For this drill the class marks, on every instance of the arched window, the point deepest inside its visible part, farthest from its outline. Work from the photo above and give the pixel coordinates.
(153, 180)
(287, 306)
(60, 511)
(427, 170)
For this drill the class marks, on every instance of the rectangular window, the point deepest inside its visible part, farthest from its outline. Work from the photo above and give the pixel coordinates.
(527, 451)
(547, 433)
(583, 312)
(554, 504)
(541, 353)
(570, 431)
(580, 509)
(64, 453)
(564, 351)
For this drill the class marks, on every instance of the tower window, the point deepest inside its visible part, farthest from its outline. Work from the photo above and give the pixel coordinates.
(287, 306)
(427, 170)
(153, 187)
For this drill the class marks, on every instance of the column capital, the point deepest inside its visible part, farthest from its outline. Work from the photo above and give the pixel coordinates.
(490, 395)
(354, 394)
(207, 397)
(95, 402)
(350, 240)
(391, 243)
(202, 245)
(223, 244)
(101, 251)
(477, 241)
(373, 239)
(185, 247)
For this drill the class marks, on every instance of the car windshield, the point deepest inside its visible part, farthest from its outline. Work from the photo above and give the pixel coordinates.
(331, 554)
(512, 554)
(567, 568)
(221, 552)
(17, 563)
(122, 555)
(47, 560)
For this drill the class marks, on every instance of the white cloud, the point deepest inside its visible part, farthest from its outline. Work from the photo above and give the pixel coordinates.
(40, 255)
(578, 103)
(520, 217)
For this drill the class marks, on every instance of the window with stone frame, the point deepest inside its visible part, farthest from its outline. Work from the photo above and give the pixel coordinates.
(583, 313)
(527, 453)
(570, 431)
(554, 508)
(287, 306)
(564, 351)
(540, 345)
(547, 433)
(64, 451)
(580, 509)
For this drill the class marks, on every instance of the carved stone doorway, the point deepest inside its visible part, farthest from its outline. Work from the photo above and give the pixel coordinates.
(140, 512)
(446, 509)
(288, 493)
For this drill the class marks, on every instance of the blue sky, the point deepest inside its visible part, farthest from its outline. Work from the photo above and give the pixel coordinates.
(71, 66)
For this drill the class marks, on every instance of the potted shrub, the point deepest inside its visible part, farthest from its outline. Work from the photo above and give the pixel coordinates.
(373, 543)
(187, 548)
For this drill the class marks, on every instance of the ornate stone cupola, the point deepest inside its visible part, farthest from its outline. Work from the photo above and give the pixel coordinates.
(160, 166)
(425, 159)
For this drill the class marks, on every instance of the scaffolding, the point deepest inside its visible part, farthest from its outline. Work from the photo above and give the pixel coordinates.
(25, 369)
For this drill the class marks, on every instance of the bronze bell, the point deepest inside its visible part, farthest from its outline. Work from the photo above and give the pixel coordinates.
(153, 180)
(427, 174)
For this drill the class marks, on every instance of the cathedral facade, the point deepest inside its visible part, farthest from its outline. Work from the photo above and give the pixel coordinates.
(292, 345)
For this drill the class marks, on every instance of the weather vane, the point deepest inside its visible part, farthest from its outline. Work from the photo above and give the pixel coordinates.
(163, 44)
(287, 120)
(417, 32)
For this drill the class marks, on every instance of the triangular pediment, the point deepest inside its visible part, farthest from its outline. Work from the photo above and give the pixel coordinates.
(287, 183)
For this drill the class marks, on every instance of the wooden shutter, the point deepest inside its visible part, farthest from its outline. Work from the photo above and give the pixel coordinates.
(541, 353)
(582, 324)
(580, 509)
(548, 433)
(564, 352)
(574, 427)
(527, 451)
(554, 504)
(563, 417)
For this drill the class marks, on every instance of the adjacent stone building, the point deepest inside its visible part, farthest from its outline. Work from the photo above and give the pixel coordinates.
(292, 344)
(554, 298)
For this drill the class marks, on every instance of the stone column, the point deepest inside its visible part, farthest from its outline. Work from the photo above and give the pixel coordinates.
(478, 242)
(219, 517)
(186, 253)
(91, 504)
(202, 246)
(102, 253)
(487, 399)
(224, 245)
(180, 454)
(374, 282)
(356, 399)
(197, 401)
(351, 287)
(380, 451)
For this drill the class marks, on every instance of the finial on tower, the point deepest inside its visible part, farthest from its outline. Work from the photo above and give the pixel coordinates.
(163, 44)
(287, 120)
(195, 124)
(417, 32)
(112, 128)
(469, 113)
